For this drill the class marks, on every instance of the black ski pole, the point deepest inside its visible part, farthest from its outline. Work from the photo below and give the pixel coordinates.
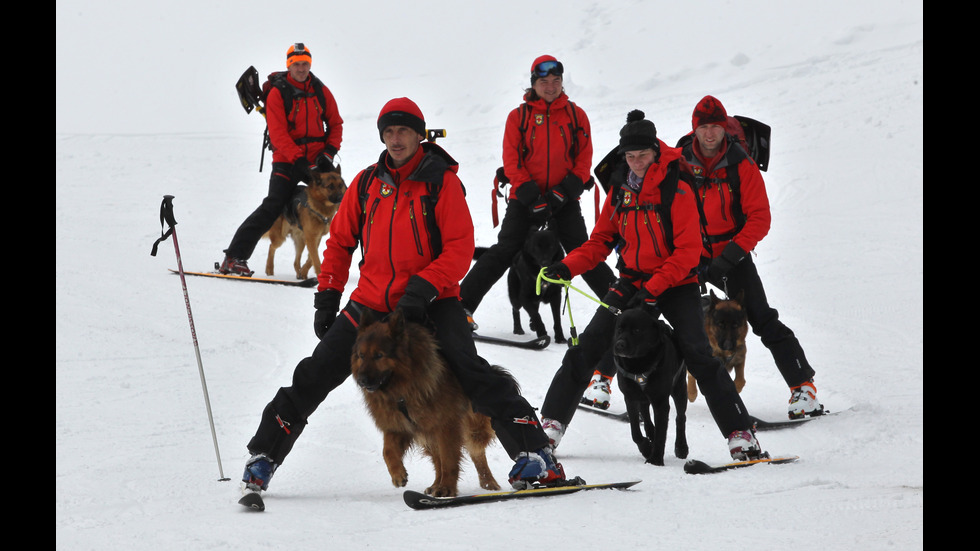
(167, 215)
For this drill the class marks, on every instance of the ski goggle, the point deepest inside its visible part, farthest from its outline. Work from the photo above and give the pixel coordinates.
(546, 68)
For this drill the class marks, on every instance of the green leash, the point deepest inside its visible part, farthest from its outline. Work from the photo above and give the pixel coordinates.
(568, 304)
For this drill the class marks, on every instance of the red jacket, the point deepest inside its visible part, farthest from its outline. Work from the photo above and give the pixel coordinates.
(397, 242)
(548, 139)
(302, 122)
(717, 200)
(644, 248)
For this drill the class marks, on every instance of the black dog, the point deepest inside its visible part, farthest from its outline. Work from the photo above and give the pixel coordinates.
(650, 372)
(540, 249)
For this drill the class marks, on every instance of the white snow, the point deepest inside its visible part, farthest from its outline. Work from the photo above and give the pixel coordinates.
(146, 108)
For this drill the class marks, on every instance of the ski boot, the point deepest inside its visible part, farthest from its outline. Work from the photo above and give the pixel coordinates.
(803, 402)
(554, 429)
(536, 468)
(233, 266)
(743, 446)
(469, 320)
(599, 392)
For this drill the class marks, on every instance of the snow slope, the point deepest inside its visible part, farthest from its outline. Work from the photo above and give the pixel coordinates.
(839, 82)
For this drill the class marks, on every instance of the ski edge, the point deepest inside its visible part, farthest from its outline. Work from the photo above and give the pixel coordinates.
(694, 466)
(420, 501)
(763, 425)
(539, 343)
(308, 282)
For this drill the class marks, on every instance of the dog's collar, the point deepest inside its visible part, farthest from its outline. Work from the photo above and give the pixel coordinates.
(639, 378)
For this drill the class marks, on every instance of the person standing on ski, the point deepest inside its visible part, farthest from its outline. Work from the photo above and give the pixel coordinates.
(547, 154)
(421, 278)
(731, 195)
(303, 140)
(658, 271)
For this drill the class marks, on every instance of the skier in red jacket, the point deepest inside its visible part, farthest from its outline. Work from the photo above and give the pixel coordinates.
(547, 154)
(732, 197)
(410, 265)
(304, 139)
(658, 267)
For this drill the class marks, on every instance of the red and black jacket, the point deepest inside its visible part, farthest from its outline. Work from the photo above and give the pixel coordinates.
(632, 222)
(397, 243)
(731, 197)
(301, 133)
(545, 142)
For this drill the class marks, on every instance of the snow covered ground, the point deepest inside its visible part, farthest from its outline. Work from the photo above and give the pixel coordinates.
(146, 108)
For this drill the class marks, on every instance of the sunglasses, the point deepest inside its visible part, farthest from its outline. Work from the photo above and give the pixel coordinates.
(546, 68)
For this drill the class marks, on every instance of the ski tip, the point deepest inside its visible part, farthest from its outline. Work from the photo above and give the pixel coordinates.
(693, 466)
(252, 502)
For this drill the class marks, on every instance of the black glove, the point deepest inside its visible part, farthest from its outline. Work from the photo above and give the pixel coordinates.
(324, 162)
(527, 193)
(558, 270)
(414, 304)
(327, 304)
(731, 255)
(642, 298)
(619, 294)
(569, 188)
(541, 212)
(303, 170)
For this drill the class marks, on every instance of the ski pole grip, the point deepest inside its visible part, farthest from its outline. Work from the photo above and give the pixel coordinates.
(166, 215)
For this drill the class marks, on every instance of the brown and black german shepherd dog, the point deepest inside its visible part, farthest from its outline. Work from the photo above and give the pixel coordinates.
(307, 220)
(726, 326)
(416, 400)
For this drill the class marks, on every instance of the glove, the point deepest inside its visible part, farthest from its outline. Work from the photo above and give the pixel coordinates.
(619, 294)
(414, 304)
(527, 193)
(730, 256)
(303, 170)
(327, 304)
(570, 187)
(324, 162)
(642, 298)
(558, 271)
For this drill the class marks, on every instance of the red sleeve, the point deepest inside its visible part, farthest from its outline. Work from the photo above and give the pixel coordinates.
(588, 255)
(583, 160)
(755, 205)
(513, 146)
(687, 243)
(275, 118)
(335, 124)
(341, 242)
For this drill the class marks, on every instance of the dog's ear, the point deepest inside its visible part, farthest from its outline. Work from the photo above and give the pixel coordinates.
(396, 322)
(714, 298)
(367, 318)
(740, 298)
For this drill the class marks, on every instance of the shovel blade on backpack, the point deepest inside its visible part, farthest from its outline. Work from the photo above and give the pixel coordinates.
(248, 90)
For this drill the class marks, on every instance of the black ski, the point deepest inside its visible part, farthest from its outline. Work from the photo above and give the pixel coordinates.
(309, 282)
(604, 412)
(420, 501)
(761, 424)
(539, 343)
(252, 501)
(693, 466)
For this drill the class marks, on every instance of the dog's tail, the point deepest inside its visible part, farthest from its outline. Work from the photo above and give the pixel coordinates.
(501, 371)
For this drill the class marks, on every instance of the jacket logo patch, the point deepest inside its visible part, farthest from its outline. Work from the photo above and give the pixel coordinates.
(386, 189)
(539, 119)
(698, 170)
(627, 198)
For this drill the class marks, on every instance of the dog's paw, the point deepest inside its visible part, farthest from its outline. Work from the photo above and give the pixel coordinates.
(681, 451)
(440, 491)
(560, 339)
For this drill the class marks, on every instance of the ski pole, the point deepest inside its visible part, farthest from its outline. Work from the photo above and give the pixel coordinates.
(167, 215)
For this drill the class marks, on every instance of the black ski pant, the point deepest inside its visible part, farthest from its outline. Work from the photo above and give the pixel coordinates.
(494, 395)
(782, 343)
(568, 223)
(282, 186)
(681, 307)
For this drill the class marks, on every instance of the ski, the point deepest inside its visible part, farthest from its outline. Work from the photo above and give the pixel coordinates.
(539, 343)
(693, 466)
(252, 501)
(420, 501)
(604, 412)
(761, 424)
(309, 282)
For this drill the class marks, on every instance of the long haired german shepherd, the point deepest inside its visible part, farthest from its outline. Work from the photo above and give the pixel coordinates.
(307, 220)
(726, 326)
(416, 400)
